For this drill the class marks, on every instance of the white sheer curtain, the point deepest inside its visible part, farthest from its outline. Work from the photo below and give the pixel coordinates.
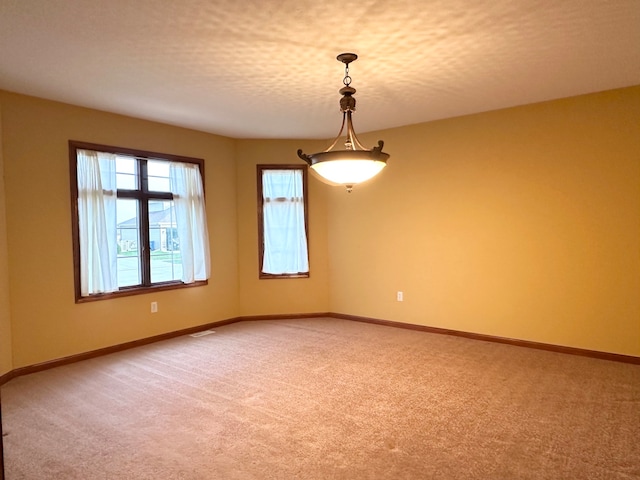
(285, 238)
(97, 225)
(191, 220)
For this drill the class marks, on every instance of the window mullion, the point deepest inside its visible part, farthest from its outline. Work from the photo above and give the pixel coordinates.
(145, 258)
(128, 194)
(143, 181)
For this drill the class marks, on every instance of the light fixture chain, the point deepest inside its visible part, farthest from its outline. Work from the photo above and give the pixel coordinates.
(347, 79)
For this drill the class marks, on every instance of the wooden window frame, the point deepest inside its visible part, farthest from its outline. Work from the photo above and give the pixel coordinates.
(141, 194)
(259, 169)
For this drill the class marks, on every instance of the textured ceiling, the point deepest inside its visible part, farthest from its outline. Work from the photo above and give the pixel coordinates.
(267, 68)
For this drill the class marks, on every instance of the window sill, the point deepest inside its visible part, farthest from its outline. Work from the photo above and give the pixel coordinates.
(265, 276)
(130, 291)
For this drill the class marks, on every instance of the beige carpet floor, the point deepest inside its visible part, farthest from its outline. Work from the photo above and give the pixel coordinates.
(325, 399)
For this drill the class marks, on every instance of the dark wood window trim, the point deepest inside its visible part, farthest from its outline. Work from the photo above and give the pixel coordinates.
(147, 287)
(259, 170)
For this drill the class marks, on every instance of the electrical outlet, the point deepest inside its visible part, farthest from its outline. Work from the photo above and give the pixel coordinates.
(154, 307)
(400, 296)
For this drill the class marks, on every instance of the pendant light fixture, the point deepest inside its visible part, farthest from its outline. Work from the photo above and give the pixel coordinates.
(355, 164)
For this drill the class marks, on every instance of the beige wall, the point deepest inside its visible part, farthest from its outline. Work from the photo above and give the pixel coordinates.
(45, 322)
(520, 223)
(279, 296)
(5, 312)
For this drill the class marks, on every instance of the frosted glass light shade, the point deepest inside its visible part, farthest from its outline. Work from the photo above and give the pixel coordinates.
(348, 172)
(347, 167)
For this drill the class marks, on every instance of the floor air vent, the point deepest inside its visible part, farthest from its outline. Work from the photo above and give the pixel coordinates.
(202, 334)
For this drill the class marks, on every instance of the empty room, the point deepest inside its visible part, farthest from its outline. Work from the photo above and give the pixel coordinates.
(317, 240)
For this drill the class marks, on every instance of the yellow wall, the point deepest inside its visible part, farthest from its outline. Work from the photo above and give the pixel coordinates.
(521, 223)
(5, 312)
(279, 296)
(45, 322)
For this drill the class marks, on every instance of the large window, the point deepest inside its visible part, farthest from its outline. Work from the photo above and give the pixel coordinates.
(139, 221)
(282, 221)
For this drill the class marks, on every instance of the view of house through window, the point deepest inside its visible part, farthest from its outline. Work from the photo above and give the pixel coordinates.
(282, 222)
(140, 220)
(165, 259)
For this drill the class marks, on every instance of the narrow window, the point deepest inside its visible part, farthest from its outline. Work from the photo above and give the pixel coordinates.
(282, 221)
(139, 221)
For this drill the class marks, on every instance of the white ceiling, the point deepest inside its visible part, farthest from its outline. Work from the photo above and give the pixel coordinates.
(267, 68)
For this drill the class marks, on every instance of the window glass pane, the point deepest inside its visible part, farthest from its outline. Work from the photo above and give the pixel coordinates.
(284, 241)
(126, 173)
(163, 241)
(128, 235)
(158, 176)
